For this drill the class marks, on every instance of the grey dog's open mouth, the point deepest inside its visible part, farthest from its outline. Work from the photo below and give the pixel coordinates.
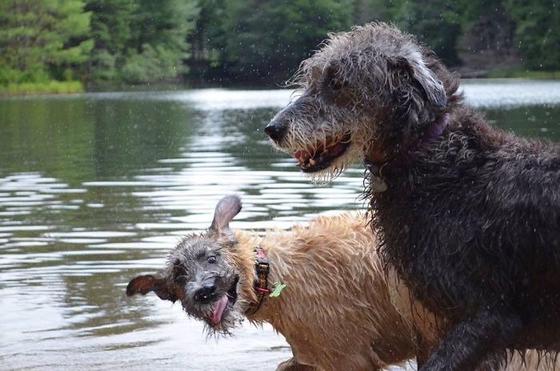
(321, 155)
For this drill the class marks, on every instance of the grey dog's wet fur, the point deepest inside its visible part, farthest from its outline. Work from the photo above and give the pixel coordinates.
(469, 216)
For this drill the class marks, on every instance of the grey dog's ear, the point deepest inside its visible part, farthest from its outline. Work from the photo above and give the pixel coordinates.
(226, 209)
(145, 284)
(421, 75)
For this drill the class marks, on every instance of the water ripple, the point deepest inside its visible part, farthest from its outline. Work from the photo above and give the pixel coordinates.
(121, 179)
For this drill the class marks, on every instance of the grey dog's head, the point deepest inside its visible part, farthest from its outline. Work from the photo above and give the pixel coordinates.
(201, 273)
(365, 91)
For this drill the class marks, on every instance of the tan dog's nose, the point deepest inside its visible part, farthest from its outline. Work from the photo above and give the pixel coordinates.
(205, 294)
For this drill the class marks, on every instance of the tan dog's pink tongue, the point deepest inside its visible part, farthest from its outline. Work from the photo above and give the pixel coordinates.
(219, 308)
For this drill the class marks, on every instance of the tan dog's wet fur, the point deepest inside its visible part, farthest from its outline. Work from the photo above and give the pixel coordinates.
(339, 311)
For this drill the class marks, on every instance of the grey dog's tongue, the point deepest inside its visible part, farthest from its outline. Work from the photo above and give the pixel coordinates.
(219, 308)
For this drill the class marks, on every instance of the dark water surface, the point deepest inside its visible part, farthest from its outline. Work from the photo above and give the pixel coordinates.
(97, 188)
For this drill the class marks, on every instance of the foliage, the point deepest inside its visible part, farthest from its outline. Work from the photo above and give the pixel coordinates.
(140, 41)
(111, 30)
(254, 40)
(43, 39)
(537, 32)
(273, 36)
(374, 10)
(50, 87)
(144, 41)
(436, 23)
(152, 64)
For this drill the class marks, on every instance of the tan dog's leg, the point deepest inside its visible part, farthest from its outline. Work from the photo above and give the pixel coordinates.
(292, 365)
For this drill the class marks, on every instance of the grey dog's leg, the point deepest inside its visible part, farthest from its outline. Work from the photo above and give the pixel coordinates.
(473, 341)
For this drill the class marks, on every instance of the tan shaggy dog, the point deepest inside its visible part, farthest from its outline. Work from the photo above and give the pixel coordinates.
(338, 311)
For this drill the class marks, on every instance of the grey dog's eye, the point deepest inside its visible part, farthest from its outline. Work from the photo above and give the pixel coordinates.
(211, 260)
(334, 84)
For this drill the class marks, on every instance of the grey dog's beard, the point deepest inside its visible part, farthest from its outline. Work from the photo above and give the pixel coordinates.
(300, 142)
(352, 154)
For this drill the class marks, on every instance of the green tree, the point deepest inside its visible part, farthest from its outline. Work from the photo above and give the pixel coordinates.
(435, 22)
(158, 45)
(208, 40)
(140, 41)
(365, 11)
(42, 40)
(269, 38)
(537, 32)
(264, 40)
(111, 29)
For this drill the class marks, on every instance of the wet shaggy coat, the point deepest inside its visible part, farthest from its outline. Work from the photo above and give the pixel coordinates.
(467, 214)
(471, 221)
(340, 310)
(479, 242)
(337, 311)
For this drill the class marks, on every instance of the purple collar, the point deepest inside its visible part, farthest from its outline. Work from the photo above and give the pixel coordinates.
(434, 131)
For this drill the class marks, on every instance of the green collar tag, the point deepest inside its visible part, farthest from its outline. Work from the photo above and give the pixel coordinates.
(278, 287)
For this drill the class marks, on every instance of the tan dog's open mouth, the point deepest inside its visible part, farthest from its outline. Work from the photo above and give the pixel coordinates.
(321, 155)
(224, 304)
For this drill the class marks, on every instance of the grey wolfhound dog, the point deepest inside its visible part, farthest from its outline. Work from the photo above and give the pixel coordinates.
(468, 215)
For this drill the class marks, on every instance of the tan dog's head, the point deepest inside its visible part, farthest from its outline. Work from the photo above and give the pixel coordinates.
(364, 93)
(202, 274)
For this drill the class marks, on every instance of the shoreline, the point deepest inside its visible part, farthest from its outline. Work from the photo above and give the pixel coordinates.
(39, 88)
(76, 87)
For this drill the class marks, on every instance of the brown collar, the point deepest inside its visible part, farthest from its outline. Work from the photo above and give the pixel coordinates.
(262, 268)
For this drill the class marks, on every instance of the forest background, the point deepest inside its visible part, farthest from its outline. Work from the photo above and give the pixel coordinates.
(66, 46)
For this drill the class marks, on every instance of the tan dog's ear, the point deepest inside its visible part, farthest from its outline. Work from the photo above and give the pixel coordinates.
(145, 284)
(227, 208)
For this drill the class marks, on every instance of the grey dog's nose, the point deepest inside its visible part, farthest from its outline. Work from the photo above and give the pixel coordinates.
(276, 129)
(205, 294)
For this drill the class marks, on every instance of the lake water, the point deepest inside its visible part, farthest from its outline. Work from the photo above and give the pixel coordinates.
(97, 188)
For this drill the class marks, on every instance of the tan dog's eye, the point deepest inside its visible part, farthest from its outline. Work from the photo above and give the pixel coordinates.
(211, 260)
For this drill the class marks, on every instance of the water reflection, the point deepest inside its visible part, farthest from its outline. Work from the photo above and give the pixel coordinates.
(95, 189)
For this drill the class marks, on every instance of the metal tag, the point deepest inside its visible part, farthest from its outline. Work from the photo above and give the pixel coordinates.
(378, 185)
